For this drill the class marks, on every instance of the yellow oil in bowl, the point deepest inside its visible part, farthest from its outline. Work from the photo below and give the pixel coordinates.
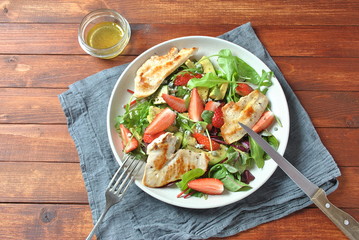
(104, 35)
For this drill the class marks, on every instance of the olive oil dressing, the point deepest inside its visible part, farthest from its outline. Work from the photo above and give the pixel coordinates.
(104, 35)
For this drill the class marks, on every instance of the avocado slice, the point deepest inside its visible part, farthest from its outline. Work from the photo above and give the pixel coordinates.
(179, 136)
(159, 99)
(189, 142)
(218, 93)
(190, 64)
(218, 155)
(207, 65)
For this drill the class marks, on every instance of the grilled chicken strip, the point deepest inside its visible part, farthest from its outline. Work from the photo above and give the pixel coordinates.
(154, 71)
(247, 110)
(165, 166)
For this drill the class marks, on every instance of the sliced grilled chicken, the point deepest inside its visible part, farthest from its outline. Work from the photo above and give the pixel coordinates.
(164, 165)
(154, 71)
(247, 111)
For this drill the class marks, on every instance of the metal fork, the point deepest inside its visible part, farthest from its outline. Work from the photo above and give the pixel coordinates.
(118, 186)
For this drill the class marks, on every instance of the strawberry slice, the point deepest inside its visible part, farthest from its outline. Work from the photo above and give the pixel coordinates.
(178, 104)
(212, 186)
(183, 79)
(243, 89)
(264, 121)
(206, 142)
(211, 105)
(196, 107)
(130, 143)
(148, 138)
(162, 121)
(217, 119)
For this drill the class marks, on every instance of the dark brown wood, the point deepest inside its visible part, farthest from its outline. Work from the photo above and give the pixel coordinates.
(42, 182)
(278, 12)
(331, 109)
(289, 40)
(36, 143)
(52, 71)
(338, 139)
(45, 221)
(27, 105)
(320, 74)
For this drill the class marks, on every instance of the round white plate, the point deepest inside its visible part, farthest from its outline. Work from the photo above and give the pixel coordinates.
(206, 46)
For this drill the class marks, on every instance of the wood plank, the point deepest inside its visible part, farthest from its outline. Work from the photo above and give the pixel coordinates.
(62, 182)
(331, 109)
(52, 143)
(342, 143)
(50, 221)
(36, 143)
(303, 225)
(293, 40)
(275, 12)
(30, 106)
(45, 221)
(33, 105)
(51, 71)
(347, 192)
(58, 71)
(42, 182)
(320, 74)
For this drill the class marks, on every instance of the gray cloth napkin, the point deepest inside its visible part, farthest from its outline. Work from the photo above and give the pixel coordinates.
(139, 216)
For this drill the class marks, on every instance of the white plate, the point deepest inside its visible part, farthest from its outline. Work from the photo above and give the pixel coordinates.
(207, 46)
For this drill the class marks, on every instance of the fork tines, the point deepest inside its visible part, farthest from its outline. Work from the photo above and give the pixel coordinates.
(124, 175)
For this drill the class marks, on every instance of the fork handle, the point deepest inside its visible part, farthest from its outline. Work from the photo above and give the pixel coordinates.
(89, 237)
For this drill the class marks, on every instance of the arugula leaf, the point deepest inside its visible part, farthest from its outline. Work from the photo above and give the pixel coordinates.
(207, 116)
(135, 118)
(246, 72)
(188, 176)
(208, 80)
(257, 153)
(228, 63)
(224, 172)
(273, 141)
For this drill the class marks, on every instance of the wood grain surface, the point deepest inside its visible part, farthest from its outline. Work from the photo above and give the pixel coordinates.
(42, 193)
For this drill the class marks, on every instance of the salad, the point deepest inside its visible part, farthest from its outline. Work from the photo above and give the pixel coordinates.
(198, 105)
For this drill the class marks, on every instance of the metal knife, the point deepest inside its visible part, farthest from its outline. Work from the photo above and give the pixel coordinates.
(346, 223)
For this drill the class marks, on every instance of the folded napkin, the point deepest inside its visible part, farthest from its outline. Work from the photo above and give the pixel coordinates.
(139, 216)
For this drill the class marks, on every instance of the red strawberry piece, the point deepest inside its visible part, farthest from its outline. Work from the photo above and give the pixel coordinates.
(162, 121)
(130, 143)
(212, 186)
(196, 107)
(243, 89)
(206, 142)
(217, 119)
(178, 104)
(211, 105)
(264, 121)
(148, 138)
(183, 79)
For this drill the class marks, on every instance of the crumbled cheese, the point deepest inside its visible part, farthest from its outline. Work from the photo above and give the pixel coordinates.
(199, 146)
(214, 153)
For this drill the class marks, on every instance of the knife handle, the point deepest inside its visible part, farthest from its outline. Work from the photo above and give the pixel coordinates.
(346, 223)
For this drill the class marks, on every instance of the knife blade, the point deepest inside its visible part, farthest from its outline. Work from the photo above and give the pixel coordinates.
(346, 223)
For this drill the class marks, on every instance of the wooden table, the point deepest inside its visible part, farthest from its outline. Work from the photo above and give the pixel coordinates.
(42, 194)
